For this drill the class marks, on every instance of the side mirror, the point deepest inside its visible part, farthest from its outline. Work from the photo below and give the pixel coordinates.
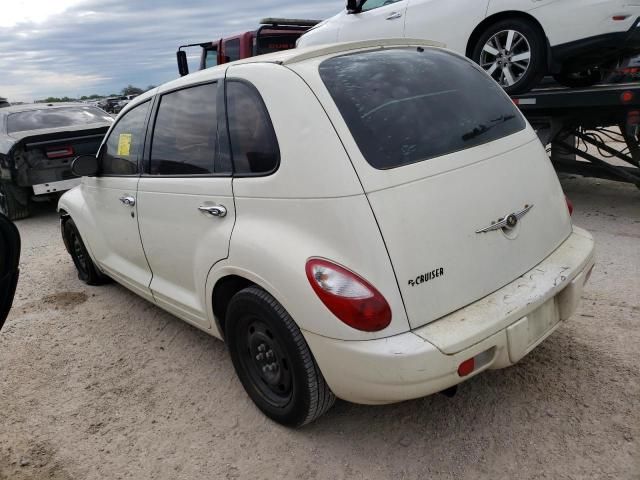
(354, 6)
(85, 166)
(183, 66)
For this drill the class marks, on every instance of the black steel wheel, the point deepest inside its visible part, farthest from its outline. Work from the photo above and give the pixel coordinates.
(87, 271)
(273, 361)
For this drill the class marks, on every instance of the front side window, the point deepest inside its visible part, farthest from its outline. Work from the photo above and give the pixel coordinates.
(407, 105)
(373, 4)
(253, 141)
(55, 117)
(123, 148)
(186, 132)
(211, 58)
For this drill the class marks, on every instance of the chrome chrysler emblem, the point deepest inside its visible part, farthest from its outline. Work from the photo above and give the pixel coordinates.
(507, 223)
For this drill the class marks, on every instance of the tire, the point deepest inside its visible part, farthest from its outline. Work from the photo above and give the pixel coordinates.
(583, 79)
(273, 361)
(87, 271)
(526, 38)
(14, 201)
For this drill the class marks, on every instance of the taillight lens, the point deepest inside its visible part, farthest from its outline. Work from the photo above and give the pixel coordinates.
(569, 206)
(60, 152)
(348, 296)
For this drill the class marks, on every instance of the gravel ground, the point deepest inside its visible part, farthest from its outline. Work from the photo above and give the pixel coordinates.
(96, 383)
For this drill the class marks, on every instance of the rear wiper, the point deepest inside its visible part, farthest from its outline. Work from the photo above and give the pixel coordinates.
(482, 128)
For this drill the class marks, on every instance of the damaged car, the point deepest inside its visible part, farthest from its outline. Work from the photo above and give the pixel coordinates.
(37, 145)
(373, 221)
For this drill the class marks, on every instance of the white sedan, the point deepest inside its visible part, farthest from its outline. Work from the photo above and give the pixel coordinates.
(515, 41)
(374, 221)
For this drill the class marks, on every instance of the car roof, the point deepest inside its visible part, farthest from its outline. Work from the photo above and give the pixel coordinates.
(295, 55)
(40, 106)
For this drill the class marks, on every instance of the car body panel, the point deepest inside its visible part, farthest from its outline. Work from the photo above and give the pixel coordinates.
(181, 257)
(114, 237)
(440, 16)
(384, 22)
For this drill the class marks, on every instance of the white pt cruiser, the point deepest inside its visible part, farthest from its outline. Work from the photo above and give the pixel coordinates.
(373, 221)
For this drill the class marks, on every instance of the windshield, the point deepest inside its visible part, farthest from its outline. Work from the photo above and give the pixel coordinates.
(406, 105)
(55, 118)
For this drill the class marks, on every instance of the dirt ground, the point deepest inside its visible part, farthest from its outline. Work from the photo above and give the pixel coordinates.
(96, 383)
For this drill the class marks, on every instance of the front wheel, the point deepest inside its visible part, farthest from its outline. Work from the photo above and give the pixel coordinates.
(273, 361)
(87, 271)
(513, 52)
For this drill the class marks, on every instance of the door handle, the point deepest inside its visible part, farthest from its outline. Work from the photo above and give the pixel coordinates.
(214, 210)
(128, 200)
(394, 16)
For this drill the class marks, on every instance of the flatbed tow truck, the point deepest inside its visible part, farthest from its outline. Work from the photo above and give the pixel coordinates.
(604, 117)
(568, 121)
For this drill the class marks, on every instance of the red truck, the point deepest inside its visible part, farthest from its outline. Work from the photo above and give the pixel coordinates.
(273, 34)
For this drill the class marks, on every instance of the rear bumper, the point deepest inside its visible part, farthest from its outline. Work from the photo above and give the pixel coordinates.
(597, 50)
(498, 331)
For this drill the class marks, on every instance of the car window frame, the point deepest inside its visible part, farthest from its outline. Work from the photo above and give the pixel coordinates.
(378, 7)
(223, 136)
(145, 132)
(268, 116)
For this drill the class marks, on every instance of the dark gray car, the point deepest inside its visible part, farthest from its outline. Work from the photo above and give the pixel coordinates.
(37, 144)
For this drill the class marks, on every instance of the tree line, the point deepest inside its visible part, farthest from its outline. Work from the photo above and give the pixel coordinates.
(128, 90)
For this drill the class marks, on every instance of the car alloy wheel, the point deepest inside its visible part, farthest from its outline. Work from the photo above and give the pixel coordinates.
(506, 56)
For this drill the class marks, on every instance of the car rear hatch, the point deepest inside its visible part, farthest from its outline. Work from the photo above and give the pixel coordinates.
(443, 154)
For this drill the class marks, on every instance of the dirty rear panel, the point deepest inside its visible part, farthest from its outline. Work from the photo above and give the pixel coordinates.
(47, 158)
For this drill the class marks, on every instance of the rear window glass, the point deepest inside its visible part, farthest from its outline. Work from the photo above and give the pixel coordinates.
(407, 105)
(55, 118)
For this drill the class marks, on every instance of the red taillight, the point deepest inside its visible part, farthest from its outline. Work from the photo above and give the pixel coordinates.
(626, 97)
(348, 296)
(59, 152)
(569, 206)
(619, 18)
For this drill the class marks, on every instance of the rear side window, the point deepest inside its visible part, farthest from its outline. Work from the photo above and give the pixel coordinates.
(407, 105)
(253, 141)
(232, 50)
(125, 143)
(186, 132)
(56, 117)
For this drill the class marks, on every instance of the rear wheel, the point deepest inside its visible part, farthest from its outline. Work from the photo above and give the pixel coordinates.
(583, 79)
(14, 201)
(513, 52)
(273, 361)
(87, 271)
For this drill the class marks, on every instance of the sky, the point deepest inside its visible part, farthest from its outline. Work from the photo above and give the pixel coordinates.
(80, 47)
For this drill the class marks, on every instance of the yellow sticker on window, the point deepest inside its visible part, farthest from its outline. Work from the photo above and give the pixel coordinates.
(124, 144)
